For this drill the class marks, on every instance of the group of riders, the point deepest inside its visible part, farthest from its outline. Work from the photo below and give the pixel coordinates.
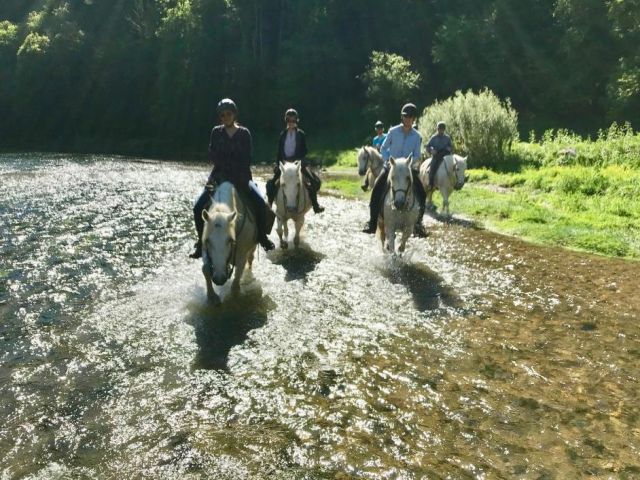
(230, 149)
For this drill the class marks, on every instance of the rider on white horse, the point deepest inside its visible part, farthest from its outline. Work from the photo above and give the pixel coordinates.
(376, 143)
(230, 153)
(292, 145)
(402, 140)
(438, 146)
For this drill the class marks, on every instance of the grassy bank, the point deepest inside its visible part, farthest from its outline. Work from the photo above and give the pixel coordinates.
(580, 194)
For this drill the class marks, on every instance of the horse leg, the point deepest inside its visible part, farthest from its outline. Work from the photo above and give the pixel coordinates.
(390, 230)
(211, 294)
(240, 265)
(284, 240)
(281, 222)
(299, 222)
(445, 202)
(250, 257)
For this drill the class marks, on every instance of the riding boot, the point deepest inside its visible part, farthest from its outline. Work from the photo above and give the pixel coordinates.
(365, 185)
(200, 205)
(261, 225)
(376, 199)
(313, 195)
(418, 229)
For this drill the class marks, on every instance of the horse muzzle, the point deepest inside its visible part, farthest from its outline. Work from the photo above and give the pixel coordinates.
(361, 172)
(219, 278)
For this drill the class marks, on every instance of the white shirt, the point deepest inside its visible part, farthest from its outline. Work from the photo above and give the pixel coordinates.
(290, 144)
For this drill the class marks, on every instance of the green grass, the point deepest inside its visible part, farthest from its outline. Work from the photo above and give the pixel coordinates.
(589, 208)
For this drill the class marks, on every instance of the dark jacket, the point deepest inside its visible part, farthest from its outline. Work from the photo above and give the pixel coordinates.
(301, 147)
(231, 157)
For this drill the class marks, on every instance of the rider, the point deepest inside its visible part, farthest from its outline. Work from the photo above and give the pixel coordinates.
(376, 143)
(401, 141)
(292, 145)
(378, 140)
(439, 145)
(230, 153)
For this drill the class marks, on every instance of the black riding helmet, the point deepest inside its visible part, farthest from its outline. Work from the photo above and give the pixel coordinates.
(290, 113)
(226, 104)
(410, 110)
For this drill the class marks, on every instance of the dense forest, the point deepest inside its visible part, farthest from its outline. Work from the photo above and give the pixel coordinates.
(143, 76)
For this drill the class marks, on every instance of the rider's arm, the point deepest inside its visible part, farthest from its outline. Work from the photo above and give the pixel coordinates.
(384, 149)
(303, 145)
(449, 145)
(416, 150)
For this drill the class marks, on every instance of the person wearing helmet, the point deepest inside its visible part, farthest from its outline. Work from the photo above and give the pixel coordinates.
(292, 146)
(378, 140)
(438, 146)
(376, 143)
(401, 141)
(230, 152)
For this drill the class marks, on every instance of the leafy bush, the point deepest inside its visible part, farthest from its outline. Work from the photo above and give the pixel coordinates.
(481, 125)
(617, 145)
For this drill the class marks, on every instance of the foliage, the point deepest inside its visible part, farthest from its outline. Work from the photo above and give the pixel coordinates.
(149, 72)
(481, 125)
(390, 82)
(617, 145)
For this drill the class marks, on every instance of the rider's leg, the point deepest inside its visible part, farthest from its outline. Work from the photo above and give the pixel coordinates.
(260, 210)
(272, 187)
(376, 198)
(435, 164)
(313, 185)
(418, 189)
(199, 206)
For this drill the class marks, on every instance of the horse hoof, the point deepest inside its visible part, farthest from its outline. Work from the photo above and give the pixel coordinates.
(284, 245)
(296, 242)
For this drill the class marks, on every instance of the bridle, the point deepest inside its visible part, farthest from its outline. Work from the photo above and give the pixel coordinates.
(402, 190)
(300, 186)
(453, 175)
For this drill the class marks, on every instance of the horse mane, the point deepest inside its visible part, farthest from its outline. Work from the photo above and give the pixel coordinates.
(224, 199)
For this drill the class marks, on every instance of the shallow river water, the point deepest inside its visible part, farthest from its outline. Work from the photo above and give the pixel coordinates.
(473, 356)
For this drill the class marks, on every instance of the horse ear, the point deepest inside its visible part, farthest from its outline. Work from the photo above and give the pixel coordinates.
(410, 160)
(298, 163)
(281, 166)
(232, 216)
(392, 160)
(205, 215)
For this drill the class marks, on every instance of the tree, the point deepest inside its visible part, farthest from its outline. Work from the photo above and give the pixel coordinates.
(390, 82)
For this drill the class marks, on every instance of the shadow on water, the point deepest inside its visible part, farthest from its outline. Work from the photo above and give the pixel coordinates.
(457, 221)
(219, 328)
(426, 287)
(298, 262)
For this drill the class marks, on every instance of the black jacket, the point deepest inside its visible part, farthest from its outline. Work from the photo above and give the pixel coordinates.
(231, 157)
(301, 147)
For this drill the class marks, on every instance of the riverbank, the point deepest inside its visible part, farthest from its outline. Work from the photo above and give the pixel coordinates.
(585, 208)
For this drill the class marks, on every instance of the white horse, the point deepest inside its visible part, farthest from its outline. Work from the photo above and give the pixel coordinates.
(401, 206)
(449, 177)
(292, 201)
(369, 165)
(229, 240)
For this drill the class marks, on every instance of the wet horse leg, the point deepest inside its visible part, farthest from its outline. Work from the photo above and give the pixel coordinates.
(211, 294)
(299, 222)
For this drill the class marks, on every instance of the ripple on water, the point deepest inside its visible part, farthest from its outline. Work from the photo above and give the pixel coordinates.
(473, 355)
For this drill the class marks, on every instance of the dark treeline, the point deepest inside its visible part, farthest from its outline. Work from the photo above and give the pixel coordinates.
(144, 75)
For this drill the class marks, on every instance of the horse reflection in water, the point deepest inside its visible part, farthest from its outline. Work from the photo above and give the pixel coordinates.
(229, 240)
(292, 202)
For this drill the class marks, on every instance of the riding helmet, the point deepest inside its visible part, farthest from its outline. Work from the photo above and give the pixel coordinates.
(409, 110)
(379, 124)
(227, 104)
(290, 113)
(441, 124)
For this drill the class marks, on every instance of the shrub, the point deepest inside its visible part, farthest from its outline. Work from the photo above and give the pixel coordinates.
(481, 125)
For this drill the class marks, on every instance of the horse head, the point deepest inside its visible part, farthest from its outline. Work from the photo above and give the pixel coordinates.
(459, 168)
(219, 242)
(363, 160)
(291, 184)
(401, 180)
